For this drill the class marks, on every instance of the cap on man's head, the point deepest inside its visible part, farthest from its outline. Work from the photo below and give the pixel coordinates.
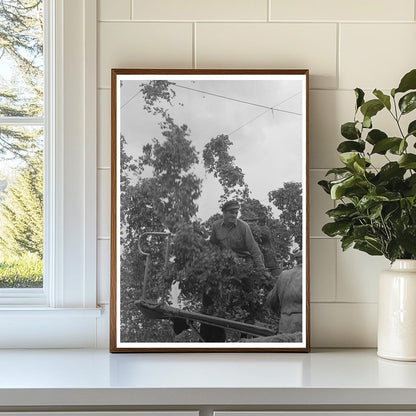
(230, 205)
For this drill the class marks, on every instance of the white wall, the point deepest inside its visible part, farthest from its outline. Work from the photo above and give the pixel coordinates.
(345, 44)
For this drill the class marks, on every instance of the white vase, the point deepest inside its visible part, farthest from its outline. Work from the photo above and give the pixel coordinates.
(397, 312)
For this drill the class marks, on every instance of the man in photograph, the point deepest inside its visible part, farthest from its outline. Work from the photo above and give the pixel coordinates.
(285, 298)
(230, 232)
(233, 234)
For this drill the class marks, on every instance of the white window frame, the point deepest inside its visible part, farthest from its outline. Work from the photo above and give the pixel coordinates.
(64, 312)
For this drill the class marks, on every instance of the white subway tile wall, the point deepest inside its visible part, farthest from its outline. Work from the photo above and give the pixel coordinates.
(145, 45)
(197, 10)
(323, 268)
(338, 325)
(357, 275)
(104, 202)
(114, 10)
(103, 270)
(104, 128)
(353, 10)
(270, 45)
(375, 55)
(345, 44)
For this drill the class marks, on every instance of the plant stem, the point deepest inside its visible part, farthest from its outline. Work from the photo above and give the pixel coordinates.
(397, 118)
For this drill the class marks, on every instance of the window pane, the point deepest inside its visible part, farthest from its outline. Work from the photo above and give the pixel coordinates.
(21, 207)
(21, 146)
(21, 58)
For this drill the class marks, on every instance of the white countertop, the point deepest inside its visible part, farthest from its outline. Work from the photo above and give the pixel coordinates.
(96, 377)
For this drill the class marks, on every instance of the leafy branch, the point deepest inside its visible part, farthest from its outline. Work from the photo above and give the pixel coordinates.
(377, 207)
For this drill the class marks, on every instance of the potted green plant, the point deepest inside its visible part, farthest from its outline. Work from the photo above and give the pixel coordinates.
(376, 209)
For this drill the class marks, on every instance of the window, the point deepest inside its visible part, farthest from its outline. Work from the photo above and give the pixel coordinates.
(63, 312)
(22, 128)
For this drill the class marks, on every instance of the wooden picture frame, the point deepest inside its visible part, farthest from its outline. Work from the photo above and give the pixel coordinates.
(190, 150)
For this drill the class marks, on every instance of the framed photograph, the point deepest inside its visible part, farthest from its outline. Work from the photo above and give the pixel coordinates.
(209, 211)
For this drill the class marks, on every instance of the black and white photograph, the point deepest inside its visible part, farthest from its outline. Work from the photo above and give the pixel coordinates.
(209, 243)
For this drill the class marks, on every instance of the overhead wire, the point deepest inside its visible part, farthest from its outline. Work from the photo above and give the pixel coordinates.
(130, 99)
(235, 99)
(264, 112)
(223, 97)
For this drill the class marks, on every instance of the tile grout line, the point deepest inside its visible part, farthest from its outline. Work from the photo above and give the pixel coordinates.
(345, 302)
(194, 62)
(336, 271)
(269, 10)
(131, 9)
(306, 22)
(338, 63)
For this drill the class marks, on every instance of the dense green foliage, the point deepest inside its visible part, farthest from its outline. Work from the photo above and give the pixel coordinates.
(219, 162)
(160, 192)
(21, 91)
(21, 222)
(237, 290)
(22, 271)
(289, 200)
(376, 212)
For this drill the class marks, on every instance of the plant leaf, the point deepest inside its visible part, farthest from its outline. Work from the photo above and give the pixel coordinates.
(325, 186)
(393, 250)
(390, 170)
(402, 147)
(369, 201)
(350, 131)
(359, 165)
(368, 248)
(349, 146)
(408, 161)
(346, 242)
(411, 130)
(336, 228)
(383, 145)
(337, 171)
(385, 99)
(408, 102)
(351, 187)
(338, 189)
(342, 211)
(359, 95)
(371, 108)
(407, 240)
(361, 231)
(375, 136)
(348, 158)
(408, 82)
(398, 149)
(375, 211)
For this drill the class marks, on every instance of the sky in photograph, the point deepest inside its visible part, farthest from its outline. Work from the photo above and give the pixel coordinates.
(267, 145)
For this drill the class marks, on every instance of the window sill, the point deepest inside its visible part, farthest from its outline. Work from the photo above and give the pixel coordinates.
(35, 311)
(330, 379)
(22, 297)
(40, 327)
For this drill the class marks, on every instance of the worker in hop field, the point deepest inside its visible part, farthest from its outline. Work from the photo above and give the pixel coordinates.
(231, 233)
(286, 299)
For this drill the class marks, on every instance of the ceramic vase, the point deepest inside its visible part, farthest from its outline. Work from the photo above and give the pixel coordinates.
(397, 312)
